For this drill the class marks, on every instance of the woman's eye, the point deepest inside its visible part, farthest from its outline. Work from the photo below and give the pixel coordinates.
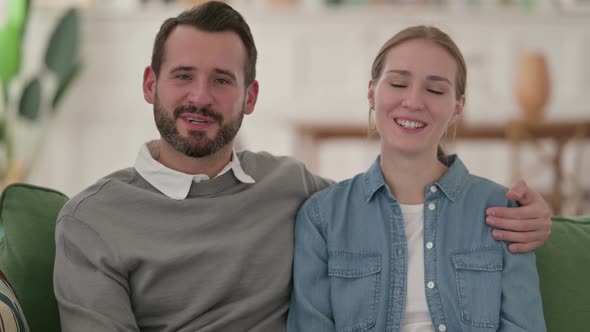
(400, 86)
(436, 92)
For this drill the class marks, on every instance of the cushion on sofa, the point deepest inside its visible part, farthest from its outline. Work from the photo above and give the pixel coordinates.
(28, 214)
(564, 270)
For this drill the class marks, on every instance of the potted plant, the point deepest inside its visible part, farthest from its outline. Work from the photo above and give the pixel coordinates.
(28, 104)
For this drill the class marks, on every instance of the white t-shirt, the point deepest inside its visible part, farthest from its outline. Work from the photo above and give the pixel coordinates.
(416, 317)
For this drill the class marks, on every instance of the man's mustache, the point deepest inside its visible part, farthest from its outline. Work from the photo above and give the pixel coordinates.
(204, 111)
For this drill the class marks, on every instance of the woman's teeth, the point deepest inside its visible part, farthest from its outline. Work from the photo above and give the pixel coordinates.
(410, 124)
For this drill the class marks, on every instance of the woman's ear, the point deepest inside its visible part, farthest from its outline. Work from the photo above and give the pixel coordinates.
(371, 95)
(460, 104)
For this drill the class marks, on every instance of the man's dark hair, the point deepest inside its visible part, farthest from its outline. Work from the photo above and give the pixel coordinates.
(213, 16)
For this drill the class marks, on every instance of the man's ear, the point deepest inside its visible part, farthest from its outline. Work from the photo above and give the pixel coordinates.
(251, 97)
(149, 85)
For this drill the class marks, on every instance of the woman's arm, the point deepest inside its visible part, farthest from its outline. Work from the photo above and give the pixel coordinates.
(521, 305)
(522, 309)
(310, 299)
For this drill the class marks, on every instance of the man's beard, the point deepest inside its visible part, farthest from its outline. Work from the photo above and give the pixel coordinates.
(197, 144)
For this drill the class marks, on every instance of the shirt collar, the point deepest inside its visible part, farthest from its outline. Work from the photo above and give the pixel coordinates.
(455, 177)
(450, 183)
(373, 179)
(175, 184)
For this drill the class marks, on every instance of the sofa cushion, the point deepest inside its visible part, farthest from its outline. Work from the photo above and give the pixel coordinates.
(11, 313)
(28, 214)
(564, 270)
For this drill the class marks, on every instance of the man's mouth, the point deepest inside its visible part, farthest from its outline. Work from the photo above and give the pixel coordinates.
(198, 116)
(197, 121)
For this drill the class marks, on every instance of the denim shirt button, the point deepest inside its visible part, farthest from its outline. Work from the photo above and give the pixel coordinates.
(432, 189)
(430, 285)
(429, 245)
(442, 328)
(431, 206)
(398, 252)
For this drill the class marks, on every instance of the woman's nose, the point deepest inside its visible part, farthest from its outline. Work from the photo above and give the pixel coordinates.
(413, 99)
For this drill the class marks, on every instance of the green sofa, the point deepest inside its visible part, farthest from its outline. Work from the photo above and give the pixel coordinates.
(28, 214)
(564, 268)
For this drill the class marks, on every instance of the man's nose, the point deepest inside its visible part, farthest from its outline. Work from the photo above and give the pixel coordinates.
(200, 95)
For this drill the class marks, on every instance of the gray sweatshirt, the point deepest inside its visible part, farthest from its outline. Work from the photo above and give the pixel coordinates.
(128, 258)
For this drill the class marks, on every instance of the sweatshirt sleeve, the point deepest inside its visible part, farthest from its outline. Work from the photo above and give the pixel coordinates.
(91, 291)
(315, 183)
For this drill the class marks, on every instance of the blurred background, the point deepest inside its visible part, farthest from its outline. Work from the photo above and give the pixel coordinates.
(74, 111)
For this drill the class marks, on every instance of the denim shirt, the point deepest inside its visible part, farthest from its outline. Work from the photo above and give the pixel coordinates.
(351, 256)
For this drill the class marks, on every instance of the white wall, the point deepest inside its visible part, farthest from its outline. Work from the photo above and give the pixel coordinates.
(312, 65)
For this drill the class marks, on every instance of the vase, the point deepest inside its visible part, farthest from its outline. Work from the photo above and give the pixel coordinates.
(532, 85)
(283, 3)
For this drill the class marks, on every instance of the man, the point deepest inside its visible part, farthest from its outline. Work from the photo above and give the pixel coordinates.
(196, 237)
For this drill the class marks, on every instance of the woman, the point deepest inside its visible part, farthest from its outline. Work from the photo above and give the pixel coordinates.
(404, 246)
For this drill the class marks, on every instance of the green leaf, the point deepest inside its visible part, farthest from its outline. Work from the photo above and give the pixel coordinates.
(11, 36)
(10, 52)
(64, 84)
(18, 11)
(30, 101)
(62, 52)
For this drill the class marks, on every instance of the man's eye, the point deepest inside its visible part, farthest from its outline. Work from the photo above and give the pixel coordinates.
(222, 81)
(183, 77)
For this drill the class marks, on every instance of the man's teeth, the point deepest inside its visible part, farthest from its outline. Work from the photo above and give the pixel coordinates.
(196, 121)
(409, 124)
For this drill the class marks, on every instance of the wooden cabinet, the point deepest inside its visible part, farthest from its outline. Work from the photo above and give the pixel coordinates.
(565, 192)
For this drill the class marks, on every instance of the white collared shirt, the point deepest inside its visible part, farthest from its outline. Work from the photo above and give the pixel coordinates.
(175, 184)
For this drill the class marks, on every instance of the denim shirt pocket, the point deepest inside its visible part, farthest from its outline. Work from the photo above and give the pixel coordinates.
(354, 286)
(478, 274)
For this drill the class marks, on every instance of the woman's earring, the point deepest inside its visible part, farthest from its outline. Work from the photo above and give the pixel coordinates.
(372, 125)
(451, 132)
